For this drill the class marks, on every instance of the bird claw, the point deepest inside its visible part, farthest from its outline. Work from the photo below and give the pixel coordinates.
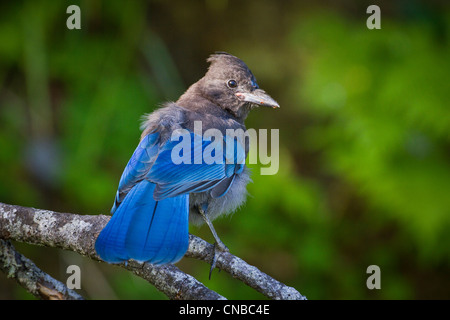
(219, 247)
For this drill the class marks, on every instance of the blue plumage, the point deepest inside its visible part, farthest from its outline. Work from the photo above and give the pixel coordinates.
(137, 167)
(151, 209)
(157, 194)
(146, 230)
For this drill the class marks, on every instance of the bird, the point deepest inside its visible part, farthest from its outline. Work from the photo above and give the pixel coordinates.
(157, 198)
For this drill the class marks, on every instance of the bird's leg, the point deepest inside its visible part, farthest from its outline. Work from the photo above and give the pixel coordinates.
(219, 242)
(219, 246)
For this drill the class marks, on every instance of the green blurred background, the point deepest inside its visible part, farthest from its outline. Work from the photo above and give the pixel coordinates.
(364, 134)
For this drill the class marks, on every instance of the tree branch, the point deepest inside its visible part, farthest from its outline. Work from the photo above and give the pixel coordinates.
(78, 233)
(238, 268)
(29, 276)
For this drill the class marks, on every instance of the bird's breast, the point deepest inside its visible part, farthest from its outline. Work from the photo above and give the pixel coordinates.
(234, 198)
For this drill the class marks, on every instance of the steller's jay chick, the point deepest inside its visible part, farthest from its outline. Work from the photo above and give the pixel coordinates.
(157, 196)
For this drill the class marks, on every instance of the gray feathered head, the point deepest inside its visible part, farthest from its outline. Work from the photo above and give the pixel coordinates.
(230, 84)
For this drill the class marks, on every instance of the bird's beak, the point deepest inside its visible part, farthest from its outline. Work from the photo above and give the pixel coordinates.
(259, 97)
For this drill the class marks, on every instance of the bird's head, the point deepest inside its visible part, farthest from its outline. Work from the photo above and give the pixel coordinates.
(230, 84)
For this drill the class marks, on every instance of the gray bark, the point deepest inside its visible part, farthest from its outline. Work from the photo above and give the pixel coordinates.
(78, 233)
(29, 276)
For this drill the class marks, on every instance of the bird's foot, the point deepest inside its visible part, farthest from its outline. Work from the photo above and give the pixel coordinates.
(219, 247)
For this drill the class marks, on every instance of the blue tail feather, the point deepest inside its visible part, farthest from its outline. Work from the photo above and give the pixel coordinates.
(146, 230)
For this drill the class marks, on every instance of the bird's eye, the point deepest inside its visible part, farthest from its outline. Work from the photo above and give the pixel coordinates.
(232, 83)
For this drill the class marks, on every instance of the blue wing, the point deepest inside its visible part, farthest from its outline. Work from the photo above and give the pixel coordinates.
(151, 208)
(138, 166)
(199, 173)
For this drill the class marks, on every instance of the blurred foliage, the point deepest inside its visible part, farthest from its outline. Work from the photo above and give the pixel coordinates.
(364, 133)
